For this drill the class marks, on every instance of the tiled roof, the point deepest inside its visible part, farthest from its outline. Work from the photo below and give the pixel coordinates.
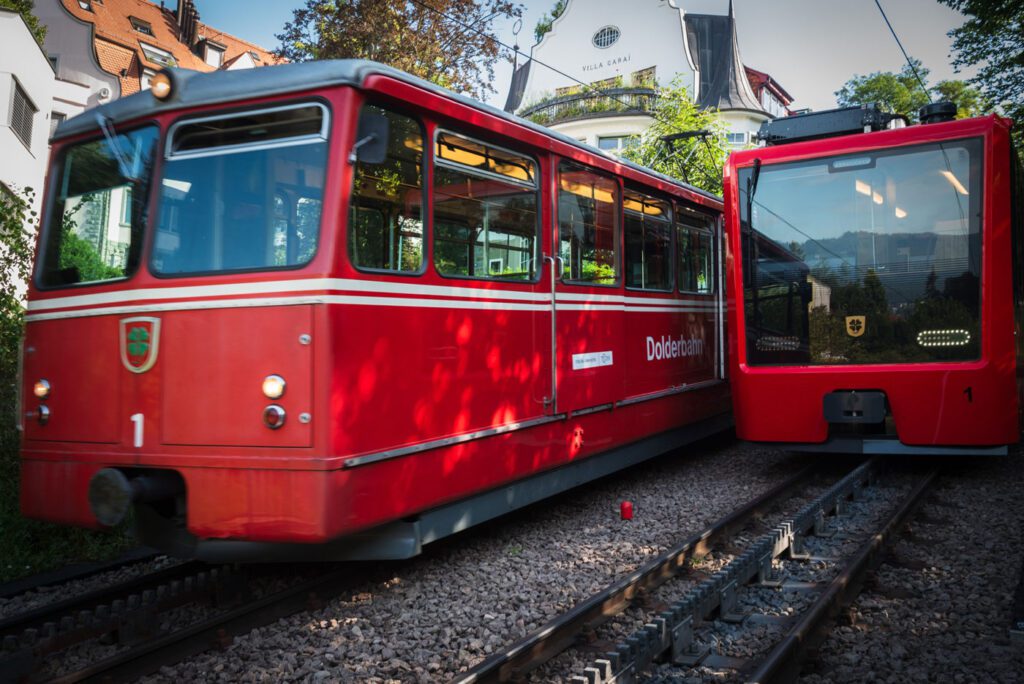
(119, 44)
(759, 80)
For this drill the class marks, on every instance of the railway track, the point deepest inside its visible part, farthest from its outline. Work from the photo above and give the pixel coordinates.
(676, 621)
(132, 628)
(76, 572)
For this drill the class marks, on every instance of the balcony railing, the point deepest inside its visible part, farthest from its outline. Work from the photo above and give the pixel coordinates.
(587, 105)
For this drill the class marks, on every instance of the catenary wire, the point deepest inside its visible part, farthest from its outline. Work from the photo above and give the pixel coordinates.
(517, 51)
(903, 50)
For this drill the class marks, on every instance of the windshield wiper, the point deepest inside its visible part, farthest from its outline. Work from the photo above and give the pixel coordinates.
(750, 279)
(123, 165)
(755, 174)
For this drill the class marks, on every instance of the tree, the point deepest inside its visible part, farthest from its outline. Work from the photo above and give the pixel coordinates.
(902, 93)
(969, 100)
(697, 160)
(16, 241)
(545, 22)
(993, 39)
(24, 8)
(896, 93)
(448, 42)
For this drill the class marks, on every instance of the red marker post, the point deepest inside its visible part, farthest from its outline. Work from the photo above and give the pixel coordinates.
(626, 510)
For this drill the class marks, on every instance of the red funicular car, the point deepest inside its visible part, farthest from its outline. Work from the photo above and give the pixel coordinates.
(877, 284)
(331, 310)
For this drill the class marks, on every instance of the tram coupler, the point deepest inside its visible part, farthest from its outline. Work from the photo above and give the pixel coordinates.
(112, 493)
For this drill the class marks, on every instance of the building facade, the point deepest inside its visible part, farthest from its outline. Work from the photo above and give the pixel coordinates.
(96, 51)
(627, 51)
(27, 87)
(105, 49)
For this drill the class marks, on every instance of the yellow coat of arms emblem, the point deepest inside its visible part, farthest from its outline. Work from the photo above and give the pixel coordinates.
(856, 325)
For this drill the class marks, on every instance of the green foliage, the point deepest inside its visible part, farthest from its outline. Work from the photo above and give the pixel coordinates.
(897, 93)
(27, 546)
(24, 8)
(545, 22)
(16, 216)
(992, 39)
(598, 272)
(405, 35)
(969, 100)
(902, 94)
(697, 160)
(80, 254)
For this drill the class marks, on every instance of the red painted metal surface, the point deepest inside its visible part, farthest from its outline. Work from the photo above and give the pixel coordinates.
(390, 362)
(929, 402)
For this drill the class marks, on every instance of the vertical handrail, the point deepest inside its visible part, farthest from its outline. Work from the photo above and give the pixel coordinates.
(554, 261)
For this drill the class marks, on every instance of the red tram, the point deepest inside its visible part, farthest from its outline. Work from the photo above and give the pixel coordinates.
(876, 282)
(330, 310)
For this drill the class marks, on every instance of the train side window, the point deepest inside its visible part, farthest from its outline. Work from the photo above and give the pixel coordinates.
(385, 228)
(485, 210)
(695, 255)
(587, 225)
(647, 224)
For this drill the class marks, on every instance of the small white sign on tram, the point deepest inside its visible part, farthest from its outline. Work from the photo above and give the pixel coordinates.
(591, 360)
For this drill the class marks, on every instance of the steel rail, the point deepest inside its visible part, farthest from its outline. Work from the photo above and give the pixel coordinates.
(216, 631)
(783, 663)
(78, 571)
(53, 612)
(559, 633)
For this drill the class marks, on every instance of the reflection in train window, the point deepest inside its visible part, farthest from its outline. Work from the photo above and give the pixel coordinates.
(485, 210)
(648, 230)
(587, 226)
(385, 229)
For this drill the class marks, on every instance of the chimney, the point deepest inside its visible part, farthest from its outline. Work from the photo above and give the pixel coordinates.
(187, 17)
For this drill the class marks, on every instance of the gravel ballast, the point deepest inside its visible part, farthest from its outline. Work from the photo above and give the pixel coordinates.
(939, 608)
(427, 619)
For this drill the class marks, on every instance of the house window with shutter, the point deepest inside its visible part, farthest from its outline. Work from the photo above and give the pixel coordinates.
(22, 114)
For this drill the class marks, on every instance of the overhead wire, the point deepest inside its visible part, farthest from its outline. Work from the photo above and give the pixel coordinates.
(910, 63)
(516, 51)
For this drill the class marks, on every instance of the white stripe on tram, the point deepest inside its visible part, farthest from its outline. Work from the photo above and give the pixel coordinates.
(349, 300)
(284, 286)
(138, 297)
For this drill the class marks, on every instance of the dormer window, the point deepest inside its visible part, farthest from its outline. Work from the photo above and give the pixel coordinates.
(157, 56)
(214, 54)
(255, 56)
(86, 5)
(142, 27)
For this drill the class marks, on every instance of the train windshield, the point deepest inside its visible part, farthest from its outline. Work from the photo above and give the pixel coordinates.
(242, 191)
(864, 259)
(98, 213)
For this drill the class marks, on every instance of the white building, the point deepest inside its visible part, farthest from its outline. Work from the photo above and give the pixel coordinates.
(27, 87)
(626, 50)
(69, 45)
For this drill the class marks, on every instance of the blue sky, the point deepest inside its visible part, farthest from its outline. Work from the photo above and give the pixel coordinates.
(811, 47)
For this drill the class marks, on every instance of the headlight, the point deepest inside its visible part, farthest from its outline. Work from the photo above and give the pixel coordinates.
(273, 387)
(41, 389)
(160, 85)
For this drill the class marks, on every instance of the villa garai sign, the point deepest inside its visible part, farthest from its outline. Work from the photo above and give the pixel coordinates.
(622, 59)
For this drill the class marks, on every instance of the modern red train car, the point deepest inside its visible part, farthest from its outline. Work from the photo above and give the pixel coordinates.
(876, 284)
(331, 310)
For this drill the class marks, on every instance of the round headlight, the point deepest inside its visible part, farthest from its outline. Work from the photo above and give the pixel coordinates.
(160, 85)
(273, 387)
(273, 416)
(41, 389)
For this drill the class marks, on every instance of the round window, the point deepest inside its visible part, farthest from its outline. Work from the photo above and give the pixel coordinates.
(606, 37)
